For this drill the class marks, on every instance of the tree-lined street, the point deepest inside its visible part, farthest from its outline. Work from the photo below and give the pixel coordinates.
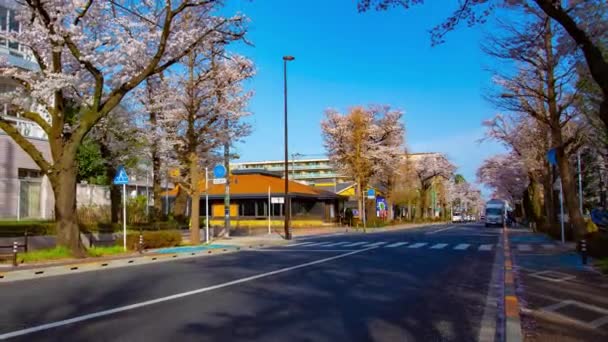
(318, 289)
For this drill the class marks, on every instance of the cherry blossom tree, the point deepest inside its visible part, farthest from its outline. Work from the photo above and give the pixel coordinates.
(584, 21)
(365, 144)
(90, 54)
(429, 168)
(202, 98)
(542, 87)
(505, 174)
(147, 102)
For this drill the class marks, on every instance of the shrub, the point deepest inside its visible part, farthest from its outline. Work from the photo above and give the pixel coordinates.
(136, 210)
(377, 223)
(597, 244)
(153, 239)
(93, 214)
(18, 228)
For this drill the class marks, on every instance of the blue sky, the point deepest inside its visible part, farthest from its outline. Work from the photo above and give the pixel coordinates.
(345, 58)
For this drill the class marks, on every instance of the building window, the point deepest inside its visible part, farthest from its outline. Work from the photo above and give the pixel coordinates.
(29, 173)
(3, 18)
(248, 208)
(260, 208)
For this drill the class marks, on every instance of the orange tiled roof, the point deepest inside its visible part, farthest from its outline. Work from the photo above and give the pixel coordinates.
(257, 184)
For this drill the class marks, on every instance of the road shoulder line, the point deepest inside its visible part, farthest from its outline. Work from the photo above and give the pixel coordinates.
(108, 312)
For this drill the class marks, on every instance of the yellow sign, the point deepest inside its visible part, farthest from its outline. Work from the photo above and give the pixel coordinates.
(174, 173)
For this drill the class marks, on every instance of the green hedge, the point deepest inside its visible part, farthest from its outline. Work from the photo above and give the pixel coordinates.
(18, 228)
(154, 239)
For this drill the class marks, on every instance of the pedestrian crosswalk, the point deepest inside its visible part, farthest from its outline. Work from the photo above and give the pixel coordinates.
(417, 245)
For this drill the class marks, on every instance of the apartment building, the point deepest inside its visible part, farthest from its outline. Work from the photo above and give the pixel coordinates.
(25, 193)
(307, 171)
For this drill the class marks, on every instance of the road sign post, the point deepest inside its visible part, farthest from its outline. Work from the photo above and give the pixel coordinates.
(206, 205)
(219, 177)
(123, 179)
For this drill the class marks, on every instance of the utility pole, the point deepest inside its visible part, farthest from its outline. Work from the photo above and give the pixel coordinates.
(287, 199)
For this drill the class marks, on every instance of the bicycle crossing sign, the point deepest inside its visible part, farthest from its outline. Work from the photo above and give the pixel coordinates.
(121, 176)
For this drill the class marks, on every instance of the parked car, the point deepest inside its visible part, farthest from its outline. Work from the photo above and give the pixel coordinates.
(456, 217)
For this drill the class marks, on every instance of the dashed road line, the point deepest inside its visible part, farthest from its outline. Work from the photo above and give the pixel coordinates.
(375, 244)
(485, 247)
(299, 244)
(356, 244)
(417, 245)
(462, 246)
(439, 246)
(397, 244)
(319, 244)
(336, 244)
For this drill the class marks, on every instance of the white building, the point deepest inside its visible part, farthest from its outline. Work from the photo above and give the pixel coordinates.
(24, 191)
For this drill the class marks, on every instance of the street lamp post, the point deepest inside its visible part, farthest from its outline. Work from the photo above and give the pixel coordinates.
(287, 201)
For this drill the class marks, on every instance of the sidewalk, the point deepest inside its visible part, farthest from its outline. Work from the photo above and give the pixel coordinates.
(561, 299)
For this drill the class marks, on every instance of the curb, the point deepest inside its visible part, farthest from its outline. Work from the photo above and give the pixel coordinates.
(512, 307)
(99, 265)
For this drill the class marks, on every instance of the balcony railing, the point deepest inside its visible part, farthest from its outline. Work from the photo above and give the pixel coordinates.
(27, 128)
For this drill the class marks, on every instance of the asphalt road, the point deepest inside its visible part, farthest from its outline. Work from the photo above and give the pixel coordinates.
(432, 288)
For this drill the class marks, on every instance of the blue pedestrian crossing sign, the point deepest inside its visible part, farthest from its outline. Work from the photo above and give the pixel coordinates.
(121, 176)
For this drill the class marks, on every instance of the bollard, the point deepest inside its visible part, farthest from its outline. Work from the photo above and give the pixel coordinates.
(141, 244)
(584, 251)
(15, 248)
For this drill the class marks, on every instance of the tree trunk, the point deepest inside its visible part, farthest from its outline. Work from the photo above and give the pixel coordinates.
(156, 177)
(555, 123)
(181, 202)
(359, 203)
(570, 197)
(604, 114)
(64, 187)
(195, 233)
(423, 203)
(549, 203)
(110, 174)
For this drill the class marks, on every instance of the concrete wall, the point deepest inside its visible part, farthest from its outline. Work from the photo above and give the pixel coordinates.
(89, 195)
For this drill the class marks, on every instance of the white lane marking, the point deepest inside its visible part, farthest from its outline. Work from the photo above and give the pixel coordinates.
(355, 244)
(168, 298)
(442, 230)
(524, 247)
(417, 245)
(397, 244)
(439, 246)
(485, 247)
(291, 250)
(336, 244)
(548, 246)
(299, 244)
(376, 244)
(462, 246)
(318, 244)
